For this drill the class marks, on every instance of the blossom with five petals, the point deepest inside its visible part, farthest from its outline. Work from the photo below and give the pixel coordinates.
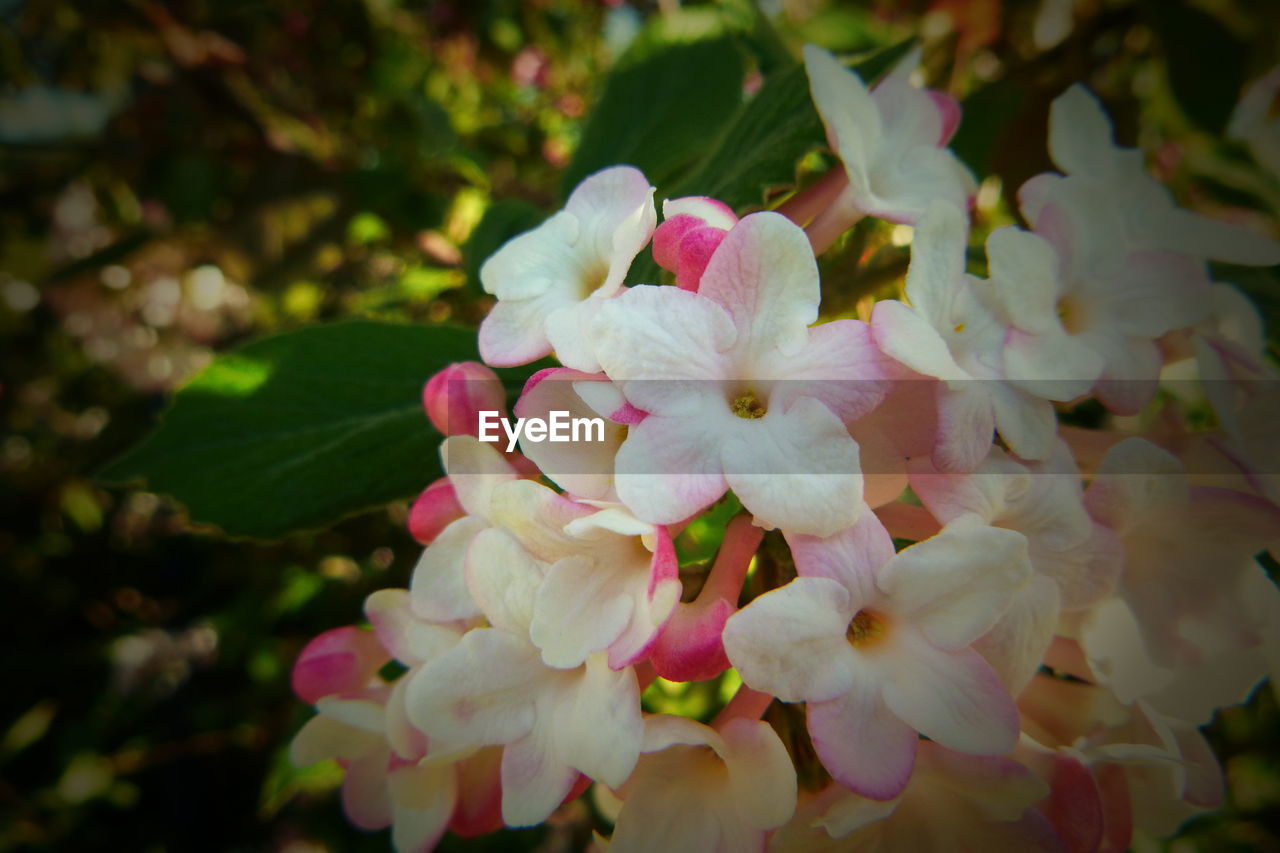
(738, 391)
(878, 645)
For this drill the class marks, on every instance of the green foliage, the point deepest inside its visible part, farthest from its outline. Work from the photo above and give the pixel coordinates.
(299, 429)
(1206, 63)
(660, 106)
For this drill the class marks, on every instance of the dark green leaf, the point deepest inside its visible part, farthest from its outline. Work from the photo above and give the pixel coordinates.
(299, 429)
(661, 106)
(1206, 63)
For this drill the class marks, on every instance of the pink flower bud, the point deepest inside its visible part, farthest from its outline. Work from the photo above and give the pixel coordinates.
(455, 396)
(692, 230)
(342, 660)
(434, 510)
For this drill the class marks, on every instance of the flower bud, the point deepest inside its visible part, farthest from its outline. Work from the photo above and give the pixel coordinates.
(690, 233)
(455, 396)
(342, 660)
(434, 510)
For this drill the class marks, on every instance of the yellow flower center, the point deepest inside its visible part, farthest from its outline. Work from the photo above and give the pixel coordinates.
(748, 406)
(865, 629)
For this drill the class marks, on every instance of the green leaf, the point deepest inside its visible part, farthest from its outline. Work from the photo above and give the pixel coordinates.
(502, 221)
(988, 114)
(297, 430)
(1206, 63)
(760, 148)
(662, 105)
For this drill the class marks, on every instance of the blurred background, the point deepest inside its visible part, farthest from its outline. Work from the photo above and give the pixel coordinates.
(177, 178)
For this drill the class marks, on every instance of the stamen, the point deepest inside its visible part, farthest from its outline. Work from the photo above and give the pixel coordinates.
(865, 628)
(748, 406)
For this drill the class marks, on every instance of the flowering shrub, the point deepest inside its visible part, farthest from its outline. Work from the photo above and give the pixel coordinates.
(970, 624)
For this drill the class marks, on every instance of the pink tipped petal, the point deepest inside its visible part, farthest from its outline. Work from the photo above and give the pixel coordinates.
(948, 112)
(1074, 805)
(863, 745)
(582, 468)
(852, 556)
(844, 370)
(342, 660)
(479, 808)
(689, 648)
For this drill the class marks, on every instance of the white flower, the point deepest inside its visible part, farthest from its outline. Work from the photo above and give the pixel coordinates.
(550, 281)
(892, 141)
(947, 332)
(705, 791)
(739, 392)
(877, 644)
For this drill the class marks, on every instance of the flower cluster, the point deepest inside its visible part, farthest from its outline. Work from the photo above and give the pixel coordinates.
(968, 624)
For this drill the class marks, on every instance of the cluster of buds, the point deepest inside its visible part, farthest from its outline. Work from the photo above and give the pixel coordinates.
(989, 627)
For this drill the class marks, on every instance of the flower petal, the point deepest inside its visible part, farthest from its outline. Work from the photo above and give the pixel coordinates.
(764, 274)
(791, 641)
(796, 469)
(480, 692)
(955, 585)
(954, 698)
(863, 745)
